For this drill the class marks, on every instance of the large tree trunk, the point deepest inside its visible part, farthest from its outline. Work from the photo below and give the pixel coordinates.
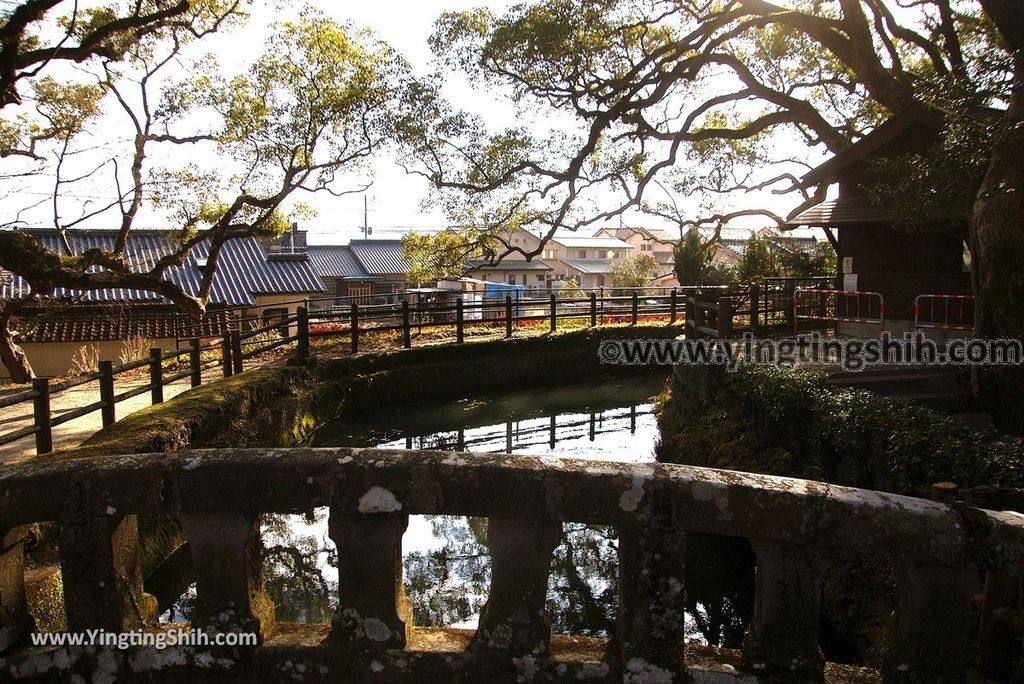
(13, 356)
(997, 238)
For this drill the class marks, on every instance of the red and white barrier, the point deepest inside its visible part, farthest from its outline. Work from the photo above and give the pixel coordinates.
(837, 306)
(944, 312)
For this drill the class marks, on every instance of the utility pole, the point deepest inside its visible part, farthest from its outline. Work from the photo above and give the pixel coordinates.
(366, 220)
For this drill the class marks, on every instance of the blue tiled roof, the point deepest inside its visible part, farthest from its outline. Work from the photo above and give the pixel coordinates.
(243, 268)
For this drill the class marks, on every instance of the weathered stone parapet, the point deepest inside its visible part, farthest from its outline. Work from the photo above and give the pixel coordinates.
(373, 612)
(782, 638)
(227, 557)
(793, 523)
(931, 639)
(15, 620)
(514, 621)
(100, 571)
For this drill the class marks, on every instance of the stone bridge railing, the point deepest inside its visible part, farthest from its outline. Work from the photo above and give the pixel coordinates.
(794, 526)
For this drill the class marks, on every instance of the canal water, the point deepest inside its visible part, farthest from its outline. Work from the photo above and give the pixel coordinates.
(445, 561)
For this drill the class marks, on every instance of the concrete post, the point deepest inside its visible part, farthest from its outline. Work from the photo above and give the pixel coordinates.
(373, 612)
(514, 621)
(782, 638)
(227, 559)
(931, 638)
(99, 558)
(651, 623)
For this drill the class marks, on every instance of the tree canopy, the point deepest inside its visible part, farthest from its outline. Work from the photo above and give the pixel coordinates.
(320, 100)
(706, 101)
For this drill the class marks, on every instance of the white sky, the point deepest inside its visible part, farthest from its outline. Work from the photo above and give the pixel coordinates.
(395, 198)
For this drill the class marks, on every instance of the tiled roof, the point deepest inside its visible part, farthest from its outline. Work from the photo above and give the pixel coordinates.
(380, 257)
(96, 324)
(243, 268)
(658, 234)
(589, 265)
(841, 211)
(508, 265)
(790, 243)
(336, 261)
(581, 242)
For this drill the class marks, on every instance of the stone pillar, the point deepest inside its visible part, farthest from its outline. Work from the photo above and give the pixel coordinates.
(782, 638)
(99, 559)
(931, 637)
(651, 623)
(15, 620)
(372, 609)
(227, 560)
(514, 620)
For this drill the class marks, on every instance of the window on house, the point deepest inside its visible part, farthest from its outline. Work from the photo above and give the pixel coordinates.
(549, 254)
(600, 281)
(646, 247)
(582, 254)
(540, 278)
(512, 278)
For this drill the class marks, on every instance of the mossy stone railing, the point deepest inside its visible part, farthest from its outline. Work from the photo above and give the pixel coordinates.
(794, 526)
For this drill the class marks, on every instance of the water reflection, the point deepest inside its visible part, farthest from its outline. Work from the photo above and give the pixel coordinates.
(607, 420)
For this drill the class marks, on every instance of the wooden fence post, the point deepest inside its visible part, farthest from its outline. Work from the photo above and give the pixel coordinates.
(593, 309)
(672, 306)
(755, 308)
(236, 350)
(459, 332)
(554, 312)
(195, 364)
(354, 324)
(508, 316)
(635, 303)
(406, 332)
(225, 355)
(156, 373)
(107, 393)
(41, 414)
(724, 317)
(302, 347)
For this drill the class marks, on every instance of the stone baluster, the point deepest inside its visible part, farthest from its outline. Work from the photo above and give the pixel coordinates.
(372, 609)
(514, 621)
(931, 640)
(100, 572)
(15, 620)
(651, 623)
(227, 560)
(782, 638)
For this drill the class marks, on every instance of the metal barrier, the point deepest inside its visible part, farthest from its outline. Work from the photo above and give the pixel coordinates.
(960, 307)
(837, 306)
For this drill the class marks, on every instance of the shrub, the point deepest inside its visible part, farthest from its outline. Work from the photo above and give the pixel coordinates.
(135, 348)
(86, 359)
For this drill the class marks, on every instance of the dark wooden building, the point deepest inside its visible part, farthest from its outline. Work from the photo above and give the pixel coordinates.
(872, 253)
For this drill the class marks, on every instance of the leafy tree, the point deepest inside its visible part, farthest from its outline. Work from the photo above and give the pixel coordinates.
(633, 271)
(707, 96)
(442, 255)
(694, 263)
(757, 261)
(764, 257)
(320, 99)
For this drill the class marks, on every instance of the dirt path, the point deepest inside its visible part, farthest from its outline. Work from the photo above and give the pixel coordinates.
(76, 431)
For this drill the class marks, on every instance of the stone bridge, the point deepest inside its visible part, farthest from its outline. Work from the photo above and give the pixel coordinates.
(795, 526)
